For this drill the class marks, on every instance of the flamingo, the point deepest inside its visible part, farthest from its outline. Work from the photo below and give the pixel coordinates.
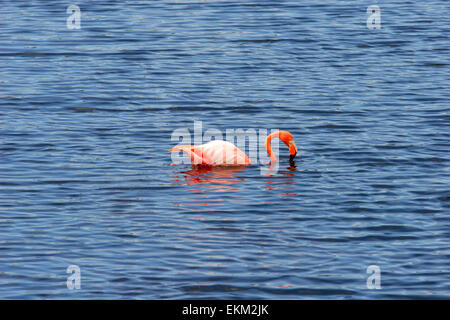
(224, 153)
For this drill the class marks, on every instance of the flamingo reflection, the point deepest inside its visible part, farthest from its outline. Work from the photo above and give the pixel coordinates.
(214, 179)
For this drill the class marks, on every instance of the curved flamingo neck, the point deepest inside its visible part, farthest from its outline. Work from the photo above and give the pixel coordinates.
(269, 138)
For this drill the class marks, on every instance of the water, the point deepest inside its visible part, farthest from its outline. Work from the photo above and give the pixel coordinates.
(86, 118)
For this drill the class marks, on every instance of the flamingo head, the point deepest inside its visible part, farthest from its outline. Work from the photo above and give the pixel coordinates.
(288, 140)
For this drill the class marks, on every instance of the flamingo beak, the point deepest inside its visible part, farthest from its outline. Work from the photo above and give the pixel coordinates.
(292, 150)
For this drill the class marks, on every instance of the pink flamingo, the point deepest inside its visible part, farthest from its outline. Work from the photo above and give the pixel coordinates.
(224, 153)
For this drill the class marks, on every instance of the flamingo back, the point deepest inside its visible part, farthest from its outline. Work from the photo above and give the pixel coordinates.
(215, 153)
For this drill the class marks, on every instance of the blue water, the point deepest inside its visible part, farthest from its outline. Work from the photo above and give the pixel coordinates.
(86, 118)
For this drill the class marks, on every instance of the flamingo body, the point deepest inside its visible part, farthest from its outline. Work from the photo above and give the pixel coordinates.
(224, 153)
(215, 153)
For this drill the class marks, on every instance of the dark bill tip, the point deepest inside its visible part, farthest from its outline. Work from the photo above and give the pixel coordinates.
(291, 157)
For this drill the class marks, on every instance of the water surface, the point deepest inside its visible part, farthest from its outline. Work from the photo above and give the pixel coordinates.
(86, 118)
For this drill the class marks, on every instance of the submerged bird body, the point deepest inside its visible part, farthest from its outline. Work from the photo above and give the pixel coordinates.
(224, 153)
(215, 153)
